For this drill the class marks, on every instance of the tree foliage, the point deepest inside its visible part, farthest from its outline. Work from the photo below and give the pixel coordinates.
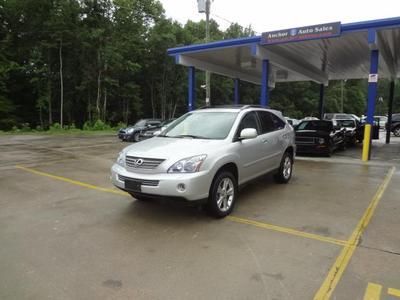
(79, 61)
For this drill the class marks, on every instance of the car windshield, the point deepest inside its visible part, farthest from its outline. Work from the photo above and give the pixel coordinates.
(315, 125)
(140, 123)
(202, 125)
(346, 123)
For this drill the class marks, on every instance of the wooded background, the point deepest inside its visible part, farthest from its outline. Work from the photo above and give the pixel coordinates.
(78, 61)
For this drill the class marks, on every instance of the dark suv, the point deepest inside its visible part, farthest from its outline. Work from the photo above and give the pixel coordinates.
(132, 133)
(395, 128)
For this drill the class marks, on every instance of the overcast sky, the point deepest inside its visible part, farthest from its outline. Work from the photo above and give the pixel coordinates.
(264, 15)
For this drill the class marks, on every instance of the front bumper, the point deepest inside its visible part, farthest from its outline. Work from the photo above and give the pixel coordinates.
(313, 149)
(197, 184)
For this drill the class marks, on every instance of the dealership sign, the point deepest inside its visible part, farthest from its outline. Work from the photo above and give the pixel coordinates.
(301, 34)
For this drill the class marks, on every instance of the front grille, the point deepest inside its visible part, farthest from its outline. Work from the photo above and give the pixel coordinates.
(147, 163)
(142, 181)
(305, 140)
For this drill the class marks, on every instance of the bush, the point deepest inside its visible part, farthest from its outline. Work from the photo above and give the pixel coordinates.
(25, 127)
(121, 125)
(96, 126)
(55, 127)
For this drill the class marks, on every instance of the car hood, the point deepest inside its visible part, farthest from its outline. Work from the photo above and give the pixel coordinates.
(172, 148)
(312, 133)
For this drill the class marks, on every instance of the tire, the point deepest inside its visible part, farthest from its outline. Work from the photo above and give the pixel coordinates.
(285, 169)
(139, 198)
(136, 137)
(223, 194)
(396, 131)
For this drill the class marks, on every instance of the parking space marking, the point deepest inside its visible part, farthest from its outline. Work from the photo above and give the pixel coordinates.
(86, 185)
(338, 268)
(288, 230)
(231, 218)
(394, 292)
(373, 292)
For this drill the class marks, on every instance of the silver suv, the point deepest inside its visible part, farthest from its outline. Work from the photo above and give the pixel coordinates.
(206, 154)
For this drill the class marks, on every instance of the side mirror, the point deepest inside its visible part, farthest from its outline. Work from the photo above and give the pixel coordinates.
(248, 133)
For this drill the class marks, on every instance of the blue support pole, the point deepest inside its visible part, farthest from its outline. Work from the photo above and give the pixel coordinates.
(264, 99)
(372, 89)
(236, 91)
(191, 88)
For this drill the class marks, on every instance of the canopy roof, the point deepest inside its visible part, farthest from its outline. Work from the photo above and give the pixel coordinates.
(346, 56)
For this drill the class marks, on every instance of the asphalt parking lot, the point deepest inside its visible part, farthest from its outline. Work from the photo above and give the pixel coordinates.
(66, 233)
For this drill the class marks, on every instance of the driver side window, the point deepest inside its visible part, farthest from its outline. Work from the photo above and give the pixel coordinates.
(248, 121)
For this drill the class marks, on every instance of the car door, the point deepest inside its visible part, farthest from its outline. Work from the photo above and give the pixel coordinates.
(272, 139)
(249, 150)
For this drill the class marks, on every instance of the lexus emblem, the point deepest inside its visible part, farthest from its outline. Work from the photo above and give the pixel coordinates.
(137, 162)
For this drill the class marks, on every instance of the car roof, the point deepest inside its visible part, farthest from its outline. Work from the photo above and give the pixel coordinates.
(237, 108)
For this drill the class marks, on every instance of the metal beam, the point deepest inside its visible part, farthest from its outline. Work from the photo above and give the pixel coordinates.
(321, 101)
(390, 112)
(236, 99)
(217, 69)
(289, 63)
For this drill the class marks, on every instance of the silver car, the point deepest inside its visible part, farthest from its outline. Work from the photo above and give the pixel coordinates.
(206, 154)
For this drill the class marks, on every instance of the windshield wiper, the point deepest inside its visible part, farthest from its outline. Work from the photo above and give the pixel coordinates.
(191, 136)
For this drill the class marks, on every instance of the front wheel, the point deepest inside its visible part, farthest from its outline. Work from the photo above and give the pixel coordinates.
(223, 195)
(136, 137)
(285, 169)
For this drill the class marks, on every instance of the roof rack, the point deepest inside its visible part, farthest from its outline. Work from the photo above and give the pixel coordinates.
(241, 106)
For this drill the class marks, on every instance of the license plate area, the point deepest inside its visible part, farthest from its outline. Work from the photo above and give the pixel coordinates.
(133, 185)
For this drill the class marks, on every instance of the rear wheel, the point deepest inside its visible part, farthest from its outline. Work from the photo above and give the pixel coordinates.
(223, 194)
(396, 131)
(285, 169)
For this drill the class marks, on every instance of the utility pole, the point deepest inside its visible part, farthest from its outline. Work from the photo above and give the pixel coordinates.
(204, 6)
(208, 87)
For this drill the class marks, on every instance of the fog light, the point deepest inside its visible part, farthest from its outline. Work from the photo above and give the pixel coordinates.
(181, 187)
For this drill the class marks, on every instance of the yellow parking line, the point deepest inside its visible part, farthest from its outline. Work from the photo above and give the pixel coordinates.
(373, 292)
(288, 230)
(336, 271)
(394, 292)
(86, 185)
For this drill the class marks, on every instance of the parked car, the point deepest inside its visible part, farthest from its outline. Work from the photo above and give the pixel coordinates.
(353, 131)
(206, 154)
(332, 116)
(319, 137)
(381, 121)
(395, 128)
(149, 132)
(292, 121)
(132, 133)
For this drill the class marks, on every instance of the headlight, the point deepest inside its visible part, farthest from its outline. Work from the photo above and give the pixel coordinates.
(188, 165)
(130, 130)
(121, 159)
(321, 141)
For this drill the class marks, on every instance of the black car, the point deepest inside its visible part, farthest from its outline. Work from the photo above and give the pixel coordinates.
(319, 137)
(132, 133)
(395, 128)
(353, 130)
(149, 132)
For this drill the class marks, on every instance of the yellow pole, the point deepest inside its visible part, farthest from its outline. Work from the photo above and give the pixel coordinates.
(366, 143)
